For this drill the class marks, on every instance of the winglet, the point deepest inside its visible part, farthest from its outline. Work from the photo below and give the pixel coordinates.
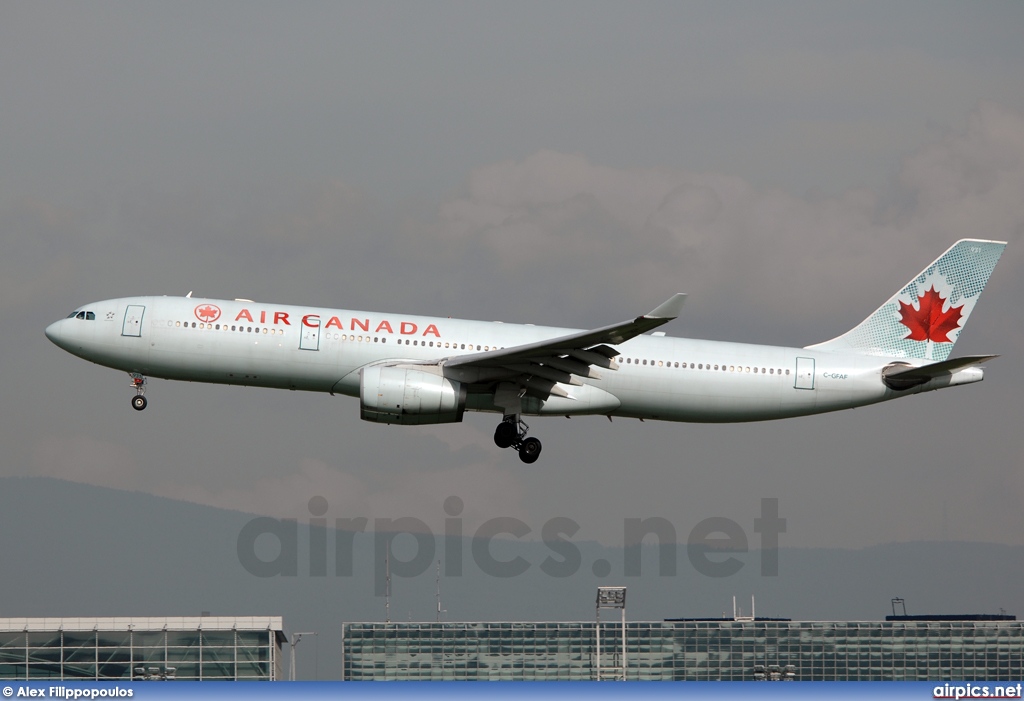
(669, 309)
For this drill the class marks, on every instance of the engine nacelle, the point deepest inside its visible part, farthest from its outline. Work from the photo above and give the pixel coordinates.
(395, 395)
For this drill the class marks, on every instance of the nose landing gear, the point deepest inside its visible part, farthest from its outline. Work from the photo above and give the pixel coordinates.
(139, 401)
(511, 433)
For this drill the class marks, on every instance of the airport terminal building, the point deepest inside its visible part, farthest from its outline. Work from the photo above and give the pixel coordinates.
(135, 649)
(900, 648)
(932, 648)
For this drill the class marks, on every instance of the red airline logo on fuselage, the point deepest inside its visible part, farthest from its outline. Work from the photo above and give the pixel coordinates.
(207, 312)
(406, 328)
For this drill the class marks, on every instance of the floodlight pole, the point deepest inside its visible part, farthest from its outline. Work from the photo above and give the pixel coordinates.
(296, 637)
(610, 598)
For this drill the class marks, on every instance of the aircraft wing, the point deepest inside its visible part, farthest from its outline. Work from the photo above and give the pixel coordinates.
(539, 366)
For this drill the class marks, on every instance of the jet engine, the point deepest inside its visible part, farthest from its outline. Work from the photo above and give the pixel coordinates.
(397, 395)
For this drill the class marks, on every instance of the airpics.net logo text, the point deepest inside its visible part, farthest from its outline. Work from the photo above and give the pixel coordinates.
(407, 547)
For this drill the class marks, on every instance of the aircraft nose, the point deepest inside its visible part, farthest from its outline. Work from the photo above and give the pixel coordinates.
(53, 332)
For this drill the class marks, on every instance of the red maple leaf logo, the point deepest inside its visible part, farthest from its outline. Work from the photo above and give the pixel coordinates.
(929, 322)
(209, 312)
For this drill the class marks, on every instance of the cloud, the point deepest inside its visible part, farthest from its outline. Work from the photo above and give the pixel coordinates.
(557, 221)
(970, 183)
(552, 238)
(484, 491)
(87, 460)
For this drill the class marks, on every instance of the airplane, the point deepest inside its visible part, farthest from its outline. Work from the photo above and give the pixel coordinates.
(414, 370)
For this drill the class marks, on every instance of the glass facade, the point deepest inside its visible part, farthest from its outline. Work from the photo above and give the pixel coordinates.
(961, 650)
(199, 648)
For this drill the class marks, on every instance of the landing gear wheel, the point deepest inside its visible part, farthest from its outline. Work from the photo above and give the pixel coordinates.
(511, 433)
(505, 434)
(138, 402)
(529, 450)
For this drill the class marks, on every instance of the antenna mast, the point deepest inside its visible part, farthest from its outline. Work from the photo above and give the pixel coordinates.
(439, 609)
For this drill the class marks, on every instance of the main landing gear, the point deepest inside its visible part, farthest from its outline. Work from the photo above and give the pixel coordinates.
(511, 433)
(139, 383)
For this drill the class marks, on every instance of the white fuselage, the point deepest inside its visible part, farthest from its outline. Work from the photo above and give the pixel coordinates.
(322, 350)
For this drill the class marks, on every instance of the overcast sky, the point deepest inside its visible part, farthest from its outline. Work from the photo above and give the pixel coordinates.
(789, 165)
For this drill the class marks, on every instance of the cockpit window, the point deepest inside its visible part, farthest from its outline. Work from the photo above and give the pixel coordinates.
(89, 316)
(72, 315)
(80, 315)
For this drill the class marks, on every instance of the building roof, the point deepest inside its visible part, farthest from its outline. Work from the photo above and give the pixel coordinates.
(147, 623)
(955, 617)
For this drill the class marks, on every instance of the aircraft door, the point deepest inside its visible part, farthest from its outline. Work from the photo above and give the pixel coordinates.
(310, 339)
(804, 373)
(133, 320)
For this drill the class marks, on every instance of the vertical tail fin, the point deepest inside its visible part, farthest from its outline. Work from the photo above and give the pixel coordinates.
(924, 319)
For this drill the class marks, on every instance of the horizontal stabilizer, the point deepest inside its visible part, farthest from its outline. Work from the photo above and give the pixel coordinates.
(900, 376)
